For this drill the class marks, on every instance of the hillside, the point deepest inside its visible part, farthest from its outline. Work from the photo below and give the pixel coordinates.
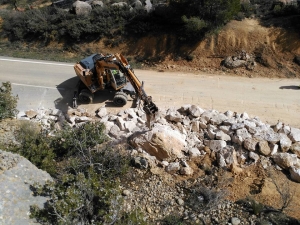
(274, 47)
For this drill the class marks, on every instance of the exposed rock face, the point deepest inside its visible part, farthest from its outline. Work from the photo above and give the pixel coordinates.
(17, 174)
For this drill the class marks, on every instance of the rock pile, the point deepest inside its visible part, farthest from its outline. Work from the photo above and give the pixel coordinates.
(177, 139)
(243, 59)
(85, 7)
(179, 135)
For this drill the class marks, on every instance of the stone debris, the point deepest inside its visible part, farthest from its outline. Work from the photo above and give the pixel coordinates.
(178, 138)
(188, 133)
(242, 59)
(236, 139)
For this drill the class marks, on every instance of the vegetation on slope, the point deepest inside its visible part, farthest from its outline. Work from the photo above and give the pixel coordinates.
(188, 19)
(8, 103)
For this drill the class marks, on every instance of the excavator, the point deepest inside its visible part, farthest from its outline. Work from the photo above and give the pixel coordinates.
(111, 72)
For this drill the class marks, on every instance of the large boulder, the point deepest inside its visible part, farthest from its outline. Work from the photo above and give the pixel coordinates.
(286, 160)
(137, 4)
(173, 115)
(195, 111)
(231, 63)
(217, 145)
(97, 3)
(162, 142)
(81, 8)
(294, 135)
(285, 142)
(119, 4)
(263, 148)
(250, 144)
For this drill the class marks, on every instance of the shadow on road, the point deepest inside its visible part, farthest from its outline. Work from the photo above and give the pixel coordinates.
(293, 87)
(67, 88)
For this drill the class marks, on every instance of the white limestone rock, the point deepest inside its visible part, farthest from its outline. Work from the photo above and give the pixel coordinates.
(286, 160)
(195, 111)
(217, 145)
(294, 135)
(285, 142)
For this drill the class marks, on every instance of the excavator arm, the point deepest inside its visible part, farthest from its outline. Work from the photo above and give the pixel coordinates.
(148, 105)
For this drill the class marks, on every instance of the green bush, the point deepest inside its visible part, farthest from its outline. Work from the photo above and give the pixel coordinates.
(247, 9)
(8, 103)
(87, 175)
(193, 26)
(35, 146)
(172, 220)
(51, 23)
(132, 218)
(87, 191)
(257, 207)
(69, 141)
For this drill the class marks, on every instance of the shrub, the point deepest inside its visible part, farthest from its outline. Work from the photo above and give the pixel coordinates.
(35, 146)
(204, 198)
(134, 217)
(69, 141)
(172, 220)
(193, 26)
(86, 189)
(8, 103)
(257, 207)
(87, 192)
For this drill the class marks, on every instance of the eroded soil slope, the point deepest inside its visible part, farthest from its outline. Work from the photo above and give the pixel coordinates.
(274, 48)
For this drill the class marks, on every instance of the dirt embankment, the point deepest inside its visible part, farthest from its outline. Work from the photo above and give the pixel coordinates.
(273, 48)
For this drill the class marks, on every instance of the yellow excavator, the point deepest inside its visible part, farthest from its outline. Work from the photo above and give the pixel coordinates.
(113, 72)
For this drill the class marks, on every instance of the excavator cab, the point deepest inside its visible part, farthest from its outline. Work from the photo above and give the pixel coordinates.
(117, 78)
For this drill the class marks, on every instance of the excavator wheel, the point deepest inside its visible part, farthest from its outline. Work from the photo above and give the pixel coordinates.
(85, 96)
(120, 99)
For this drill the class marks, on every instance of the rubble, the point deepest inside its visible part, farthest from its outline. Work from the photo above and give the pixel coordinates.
(189, 133)
(242, 59)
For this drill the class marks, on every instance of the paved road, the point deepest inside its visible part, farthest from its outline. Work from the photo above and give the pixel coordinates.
(50, 84)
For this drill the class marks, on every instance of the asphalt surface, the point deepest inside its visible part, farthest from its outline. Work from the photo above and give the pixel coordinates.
(51, 84)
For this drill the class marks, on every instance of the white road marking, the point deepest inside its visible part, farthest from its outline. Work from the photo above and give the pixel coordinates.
(36, 62)
(36, 86)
